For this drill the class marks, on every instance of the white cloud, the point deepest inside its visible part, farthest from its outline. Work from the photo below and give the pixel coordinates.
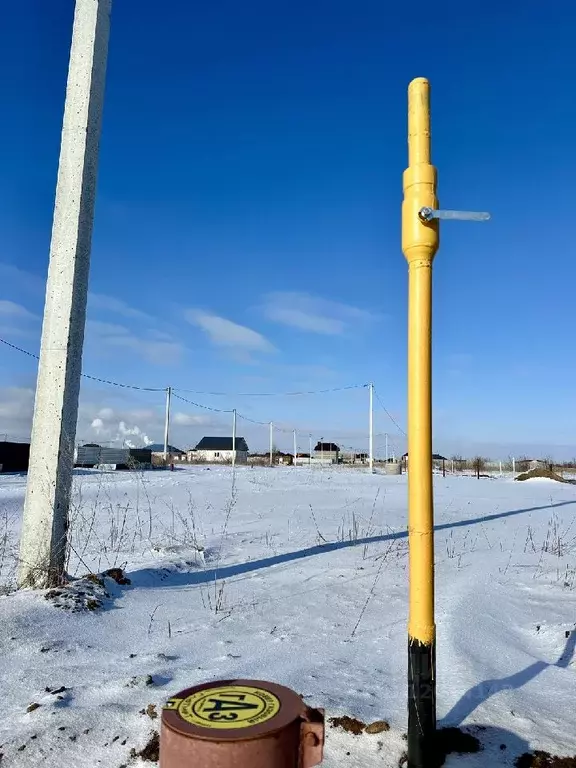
(119, 431)
(17, 320)
(146, 346)
(104, 303)
(118, 425)
(16, 408)
(21, 281)
(16, 402)
(225, 333)
(190, 419)
(109, 423)
(313, 314)
(138, 427)
(16, 311)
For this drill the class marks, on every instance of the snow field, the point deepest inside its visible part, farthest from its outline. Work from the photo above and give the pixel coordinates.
(299, 576)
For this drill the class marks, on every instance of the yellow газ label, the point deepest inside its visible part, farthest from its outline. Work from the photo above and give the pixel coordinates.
(230, 706)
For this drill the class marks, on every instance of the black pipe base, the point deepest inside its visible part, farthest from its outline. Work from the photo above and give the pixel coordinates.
(423, 749)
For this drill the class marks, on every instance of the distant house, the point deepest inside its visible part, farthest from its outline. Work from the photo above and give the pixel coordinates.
(220, 450)
(93, 455)
(174, 454)
(437, 460)
(14, 457)
(328, 452)
(350, 457)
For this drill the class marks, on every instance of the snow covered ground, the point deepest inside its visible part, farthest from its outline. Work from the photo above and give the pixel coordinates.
(294, 575)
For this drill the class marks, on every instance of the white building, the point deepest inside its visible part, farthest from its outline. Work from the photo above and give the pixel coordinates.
(219, 450)
(327, 452)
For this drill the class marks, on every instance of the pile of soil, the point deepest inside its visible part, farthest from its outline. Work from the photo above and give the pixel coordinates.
(151, 751)
(544, 760)
(355, 726)
(547, 473)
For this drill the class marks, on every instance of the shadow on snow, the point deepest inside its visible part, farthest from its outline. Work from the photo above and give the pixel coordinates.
(481, 692)
(148, 577)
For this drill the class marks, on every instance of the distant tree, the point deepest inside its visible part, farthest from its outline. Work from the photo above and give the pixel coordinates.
(459, 462)
(509, 465)
(478, 465)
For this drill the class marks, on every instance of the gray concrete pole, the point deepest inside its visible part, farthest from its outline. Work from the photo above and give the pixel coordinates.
(371, 428)
(234, 437)
(43, 542)
(167, 422)
(271, 444)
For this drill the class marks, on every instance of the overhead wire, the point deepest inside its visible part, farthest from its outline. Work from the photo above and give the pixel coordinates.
(387, 412)
(176, 390)
(271, 394)
(198, 392)
(87, 375)
(199, 405)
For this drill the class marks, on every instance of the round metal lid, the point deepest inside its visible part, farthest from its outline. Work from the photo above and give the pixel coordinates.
(232, 710)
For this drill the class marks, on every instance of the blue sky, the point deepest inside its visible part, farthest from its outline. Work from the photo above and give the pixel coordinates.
(247, 231)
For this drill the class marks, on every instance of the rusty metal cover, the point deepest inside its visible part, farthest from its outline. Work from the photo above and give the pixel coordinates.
(233, 710)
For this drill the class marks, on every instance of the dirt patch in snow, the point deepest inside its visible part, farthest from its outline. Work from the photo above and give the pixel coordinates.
(356, 727)
(348, 724)
(151, 752)
(88, 593)
(546, 474)
(544, 760)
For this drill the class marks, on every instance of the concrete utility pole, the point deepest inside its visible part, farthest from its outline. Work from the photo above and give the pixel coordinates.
(167, 422)
(371, 429)
(234, 437)
(271, 444)
(295, 448)
(45, 525)
(310, 454)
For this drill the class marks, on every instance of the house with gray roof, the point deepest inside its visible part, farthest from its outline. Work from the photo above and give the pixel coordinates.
(219, 450)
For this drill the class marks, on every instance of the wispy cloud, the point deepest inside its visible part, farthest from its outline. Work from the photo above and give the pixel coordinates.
(146, 346)
(190, 419)
(225, 333)
(16, 407)
(21, 281)
(314, 314)
(17, 320)
(104, 303)
(16, 311)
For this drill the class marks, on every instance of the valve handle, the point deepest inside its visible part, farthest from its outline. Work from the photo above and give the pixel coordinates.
(427, 214)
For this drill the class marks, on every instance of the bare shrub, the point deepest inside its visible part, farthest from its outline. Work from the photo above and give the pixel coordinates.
(478, 465)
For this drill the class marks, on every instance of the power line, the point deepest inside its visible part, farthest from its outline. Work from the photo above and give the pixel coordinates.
(19, 349)
(124, 386)
(198, 392)
(199, 405)
(285, 430)
(86, 375)
(392, 419)
(271, 394)
(253, 421)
